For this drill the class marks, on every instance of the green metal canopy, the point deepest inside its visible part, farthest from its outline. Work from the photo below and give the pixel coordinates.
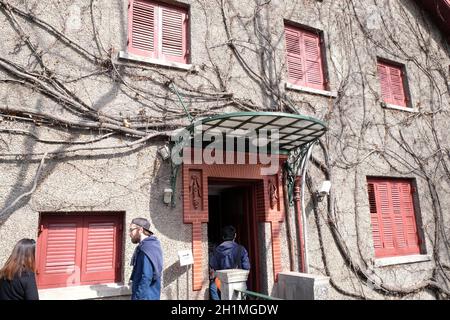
(294, 130)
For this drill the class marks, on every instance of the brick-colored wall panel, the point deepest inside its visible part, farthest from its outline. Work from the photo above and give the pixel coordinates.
(197, 216)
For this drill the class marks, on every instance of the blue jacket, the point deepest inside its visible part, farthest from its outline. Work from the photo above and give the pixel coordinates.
(147, 265)
(225, 257)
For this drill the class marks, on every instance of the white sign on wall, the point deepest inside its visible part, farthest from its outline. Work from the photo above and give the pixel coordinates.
(185, 257)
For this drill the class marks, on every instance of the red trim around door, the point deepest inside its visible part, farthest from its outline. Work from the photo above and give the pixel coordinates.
(269, 205)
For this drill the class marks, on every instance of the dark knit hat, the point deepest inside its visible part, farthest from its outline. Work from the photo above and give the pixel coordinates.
(142, 222)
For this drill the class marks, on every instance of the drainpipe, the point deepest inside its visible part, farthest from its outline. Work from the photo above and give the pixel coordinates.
(303, 230)
(298, 211)
(289, 228)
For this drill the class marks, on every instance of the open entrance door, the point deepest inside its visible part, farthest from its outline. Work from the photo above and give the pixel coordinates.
(233, 202)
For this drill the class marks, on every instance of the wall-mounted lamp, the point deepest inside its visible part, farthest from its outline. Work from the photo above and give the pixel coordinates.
(324, 190)
(164, 152)
(168, 196)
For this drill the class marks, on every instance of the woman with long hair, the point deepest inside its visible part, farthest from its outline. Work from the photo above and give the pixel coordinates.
(17, 277)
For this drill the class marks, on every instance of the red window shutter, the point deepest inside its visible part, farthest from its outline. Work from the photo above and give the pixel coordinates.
(58, 255)
(294, 56)
(100, 249)
(313, 61)
(304, 58)
(174, 34)
(375, 219)
(77, 250)
(383, 74)
(412, 238)
(399, 223)
(158, 31)
(398, 94)
(391, 82)
(142, 28)
(383, 195)
(392, 217)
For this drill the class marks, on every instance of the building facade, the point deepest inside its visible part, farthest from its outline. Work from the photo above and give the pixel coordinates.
(93, 91)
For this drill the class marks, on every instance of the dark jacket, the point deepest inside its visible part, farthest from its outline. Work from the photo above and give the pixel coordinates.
(20, 288)
(225, 256)
(147, 265)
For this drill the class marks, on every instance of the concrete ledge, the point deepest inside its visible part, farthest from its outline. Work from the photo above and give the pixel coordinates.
(382, 262)
(85, 292)
(135, 58)
(394, 107)
(302, 286)
(232, 275)
(232, 279)
(325, 93)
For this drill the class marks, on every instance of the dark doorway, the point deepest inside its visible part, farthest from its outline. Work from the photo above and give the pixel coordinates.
(233, 202)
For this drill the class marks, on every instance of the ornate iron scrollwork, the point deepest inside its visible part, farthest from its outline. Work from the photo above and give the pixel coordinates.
(293, 166)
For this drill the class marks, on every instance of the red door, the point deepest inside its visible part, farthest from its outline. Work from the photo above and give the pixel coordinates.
(58, 255)
(78, 249)
(100, 253)
(238, 210)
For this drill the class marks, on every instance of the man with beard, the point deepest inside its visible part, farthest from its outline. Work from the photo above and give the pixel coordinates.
(147, 262)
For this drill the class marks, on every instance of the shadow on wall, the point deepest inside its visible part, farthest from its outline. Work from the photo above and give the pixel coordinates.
(30, 145)
(274, 291)
(166, 220)
(174, 273)
(263, 252)
(177, 284)
(20, 187)
(413, 9)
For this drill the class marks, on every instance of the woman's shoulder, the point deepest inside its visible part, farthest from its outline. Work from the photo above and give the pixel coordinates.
(28, 273)
(25, 275)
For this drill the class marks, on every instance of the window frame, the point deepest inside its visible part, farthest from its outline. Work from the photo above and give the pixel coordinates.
(319, 35)
(391, 103)
(80, 275)
(158, 53)
(377, 228)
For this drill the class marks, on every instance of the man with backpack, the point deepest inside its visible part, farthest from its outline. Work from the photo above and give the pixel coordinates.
(228, 255)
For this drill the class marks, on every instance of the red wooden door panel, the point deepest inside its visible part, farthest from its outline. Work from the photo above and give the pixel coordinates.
(79, 249)
(238, 207)
(58, 257)
(101, 241)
